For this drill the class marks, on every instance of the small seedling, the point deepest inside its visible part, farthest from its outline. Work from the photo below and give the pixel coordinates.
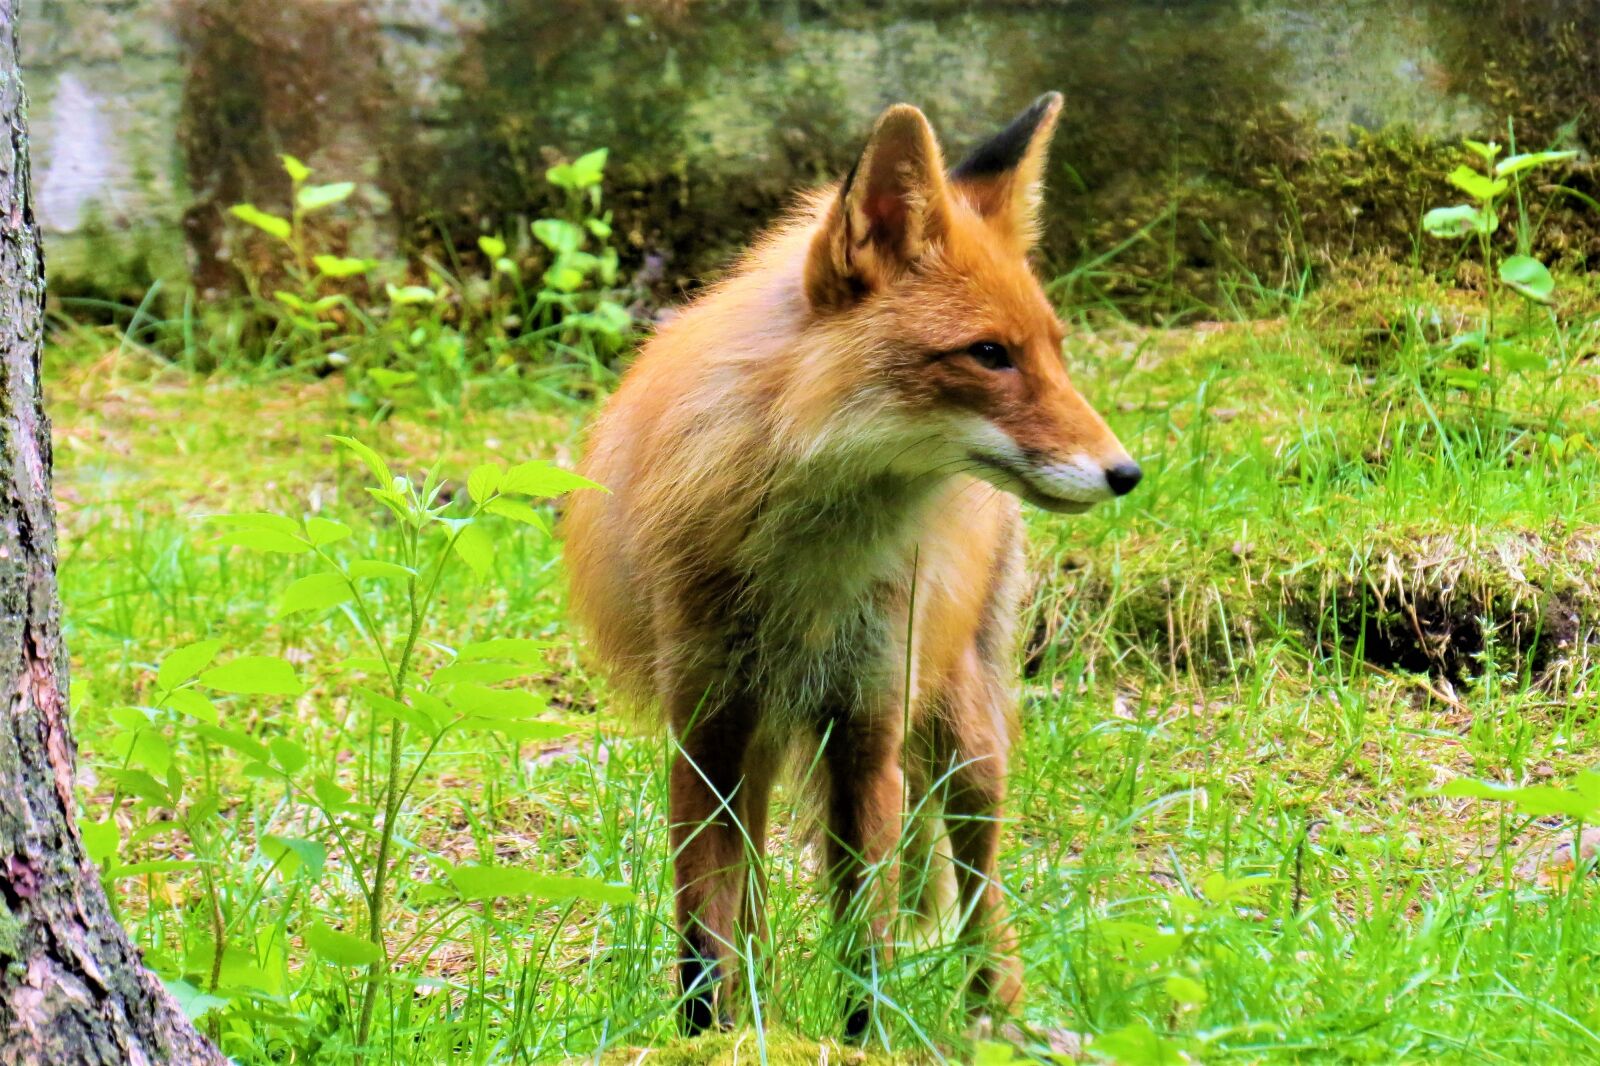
(1489, 186)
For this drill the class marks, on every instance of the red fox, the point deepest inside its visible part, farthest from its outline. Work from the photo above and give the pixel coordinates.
(802, 546)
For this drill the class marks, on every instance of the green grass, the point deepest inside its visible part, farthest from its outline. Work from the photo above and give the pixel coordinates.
(1342, 584)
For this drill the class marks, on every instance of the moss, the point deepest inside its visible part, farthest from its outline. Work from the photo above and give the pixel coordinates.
(99, 271)
(10, 934)
(1438, 602)
(1448, 604)
(1371, 307)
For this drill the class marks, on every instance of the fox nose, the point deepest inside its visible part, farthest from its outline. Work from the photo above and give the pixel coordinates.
(1123, 477)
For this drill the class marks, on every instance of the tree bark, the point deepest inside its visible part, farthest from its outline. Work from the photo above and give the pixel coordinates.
(72, 989)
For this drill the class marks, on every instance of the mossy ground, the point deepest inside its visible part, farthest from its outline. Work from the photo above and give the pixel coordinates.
(1344, 582)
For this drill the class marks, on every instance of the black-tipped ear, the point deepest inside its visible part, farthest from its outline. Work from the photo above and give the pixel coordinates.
(887, 211)
(1003, 177)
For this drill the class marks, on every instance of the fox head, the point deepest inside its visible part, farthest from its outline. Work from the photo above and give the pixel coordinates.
(921, 277)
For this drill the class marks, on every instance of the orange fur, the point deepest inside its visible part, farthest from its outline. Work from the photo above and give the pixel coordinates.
(801, 463)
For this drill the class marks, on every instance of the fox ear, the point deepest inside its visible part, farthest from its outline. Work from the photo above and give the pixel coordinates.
(888, 211)
(1003, 178)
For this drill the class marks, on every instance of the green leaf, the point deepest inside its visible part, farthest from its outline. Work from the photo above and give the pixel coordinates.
(515, 882)
(430, 705)
(1486, 152)
(141, 784)
(518, 730)
(600, 227)
(410, 294)
(314, 592)
(483, 481)
(1458, 221)
(504, 703)
(1519, 360)
(1476, 185)
(322, 531)
(289, 754)
(1535, 800)
(994, 1053)
(1464, 378)
(591, 166)
(254, 675)
(338, 266)
(563, 278)
(147, 749)
(100, 839)
(155, 866)
(1139, 941)
(517, 649)
(558, 235)
(183, 663)
(341, 949)
(1529, 277)
(131, 717)
(261, 220)
(375, 463)
(315, 307)
(188, 701)
(1185, 990)
(394, 501)
(381, 570)
(234, 740)
(493, 247)
(265, 521)
(387, 380)
(261, 540)
(330, 794)
(582, 173)
(1516, 164)
(316, 197)
(611, 318)
(194, 1003)
(1136, 1044)
(475, 548)
(543, 479)
(517, 511)
(479, 673)
(394, 710)
(290, 852)
(297, 170)
(1220, 888)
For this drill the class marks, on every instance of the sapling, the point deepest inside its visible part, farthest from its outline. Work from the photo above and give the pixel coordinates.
(1488, 185)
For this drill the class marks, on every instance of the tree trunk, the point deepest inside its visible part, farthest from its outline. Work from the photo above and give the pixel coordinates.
(72, 989)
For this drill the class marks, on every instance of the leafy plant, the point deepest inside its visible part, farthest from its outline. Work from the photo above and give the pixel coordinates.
(401, 340)
(306, 305)
(1489, 185)
(389, 711)
(583, 264)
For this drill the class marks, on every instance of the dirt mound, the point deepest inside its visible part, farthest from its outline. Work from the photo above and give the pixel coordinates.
(1448, 604)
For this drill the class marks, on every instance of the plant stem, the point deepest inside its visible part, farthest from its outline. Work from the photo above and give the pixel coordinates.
(392, 791)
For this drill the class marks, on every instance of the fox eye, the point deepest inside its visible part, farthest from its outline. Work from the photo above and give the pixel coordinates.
(991, 355)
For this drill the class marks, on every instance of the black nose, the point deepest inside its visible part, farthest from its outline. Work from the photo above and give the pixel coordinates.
(1123, 477)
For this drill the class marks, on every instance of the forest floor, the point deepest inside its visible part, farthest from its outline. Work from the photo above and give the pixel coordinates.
(1352, 576)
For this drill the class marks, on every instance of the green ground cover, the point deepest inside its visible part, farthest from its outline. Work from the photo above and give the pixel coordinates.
(1350, 578)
